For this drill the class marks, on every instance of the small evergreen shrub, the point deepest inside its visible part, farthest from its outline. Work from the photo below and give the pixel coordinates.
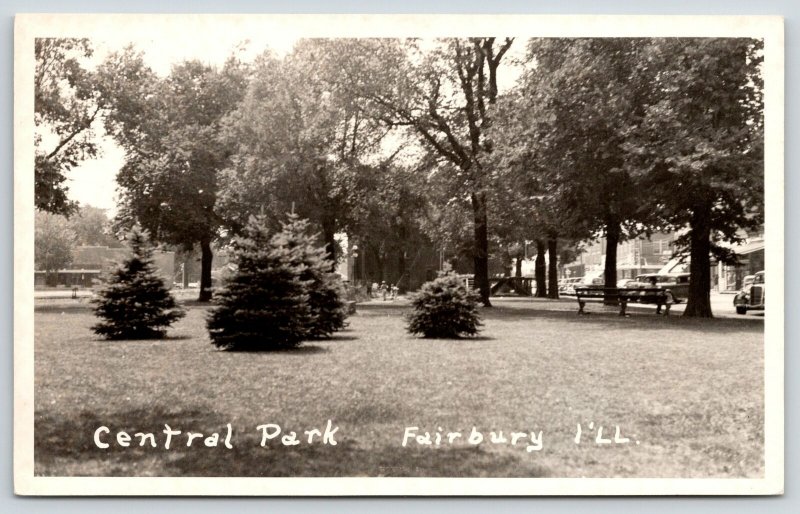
(324, 287)
(265, 304)
(134, 303)
(444, 308)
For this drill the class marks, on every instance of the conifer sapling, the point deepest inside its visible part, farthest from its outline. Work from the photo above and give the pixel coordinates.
(264, 305)
(325, 289)
(134, 303)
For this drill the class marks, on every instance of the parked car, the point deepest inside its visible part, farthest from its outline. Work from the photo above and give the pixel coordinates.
(676, 284)
(751, 297)
(568, 288)
(626, 282)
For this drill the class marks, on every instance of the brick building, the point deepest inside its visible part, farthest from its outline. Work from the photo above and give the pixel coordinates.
(89, 262)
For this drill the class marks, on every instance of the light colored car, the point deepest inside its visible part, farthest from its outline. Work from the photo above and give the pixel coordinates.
(751, 297)
(569, 286)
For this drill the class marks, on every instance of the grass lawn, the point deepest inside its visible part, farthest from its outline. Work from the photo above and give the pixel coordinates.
(687, 393)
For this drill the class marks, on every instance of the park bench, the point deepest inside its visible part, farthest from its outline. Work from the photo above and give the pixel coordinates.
(621, 297)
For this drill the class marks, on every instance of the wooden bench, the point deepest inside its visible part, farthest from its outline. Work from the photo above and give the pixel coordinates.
(621, 297)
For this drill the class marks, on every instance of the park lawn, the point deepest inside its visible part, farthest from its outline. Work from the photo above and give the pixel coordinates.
(687, 393)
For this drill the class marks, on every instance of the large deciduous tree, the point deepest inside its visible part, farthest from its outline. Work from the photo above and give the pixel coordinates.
(92, 227)
(445, 96)
(701, 148)
(53, 243)
(579, 102)
(531, 200)
(300, 137)
(170, 130)
(66, 105)
(387, 223)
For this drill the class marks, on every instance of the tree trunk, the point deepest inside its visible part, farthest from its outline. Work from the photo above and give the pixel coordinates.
(540, 270)
(205, 270)
(328, 233)
(402, 236)
(612, 241)
(610, 270)
(699, 302)
(507, 266)
(481, 247)
(381, 260)
(518, 271)
(186, 266)
(185, 274)
(401, 269)
(552, 268)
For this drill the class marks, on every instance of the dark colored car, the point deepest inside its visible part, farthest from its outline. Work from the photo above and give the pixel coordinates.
(676, 284)
(751, 298)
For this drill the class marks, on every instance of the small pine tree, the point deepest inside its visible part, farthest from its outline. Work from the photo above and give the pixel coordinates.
(444, 308)
(264, 304)
(325, 289)
(134, 303)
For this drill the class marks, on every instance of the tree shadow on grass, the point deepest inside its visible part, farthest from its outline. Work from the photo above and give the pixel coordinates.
(165, 339)
(197, 303)
(337, 337)
(72, 306)
(381, 309)
(64, 446)
(604, 318)
(347, 458)
(302, 349)
(71, 436)
(462, 339)
(529, 310)
(176, 338)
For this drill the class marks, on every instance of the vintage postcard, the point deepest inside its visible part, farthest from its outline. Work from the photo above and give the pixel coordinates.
(398, 255)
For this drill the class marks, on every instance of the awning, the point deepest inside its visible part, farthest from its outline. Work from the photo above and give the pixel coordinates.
(751, 247)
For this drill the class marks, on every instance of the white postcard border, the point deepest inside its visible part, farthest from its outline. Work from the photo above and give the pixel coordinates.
(29, 26)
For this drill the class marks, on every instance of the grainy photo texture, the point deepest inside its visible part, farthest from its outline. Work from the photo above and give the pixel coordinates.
(528, 256)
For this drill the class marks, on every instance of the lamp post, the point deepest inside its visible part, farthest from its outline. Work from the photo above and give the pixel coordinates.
(354, 254)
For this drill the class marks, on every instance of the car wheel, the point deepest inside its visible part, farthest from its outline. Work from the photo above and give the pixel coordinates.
(741, 309)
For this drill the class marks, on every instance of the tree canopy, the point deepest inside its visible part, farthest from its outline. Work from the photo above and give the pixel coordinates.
(401, 143)
(170, 131)
(445, 97)
(700, 147)
(299, 142)
(66, 105)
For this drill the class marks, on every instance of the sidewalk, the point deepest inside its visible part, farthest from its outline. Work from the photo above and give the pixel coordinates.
(62, 293)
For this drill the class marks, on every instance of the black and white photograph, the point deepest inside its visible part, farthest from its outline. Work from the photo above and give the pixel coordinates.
(398, 255)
